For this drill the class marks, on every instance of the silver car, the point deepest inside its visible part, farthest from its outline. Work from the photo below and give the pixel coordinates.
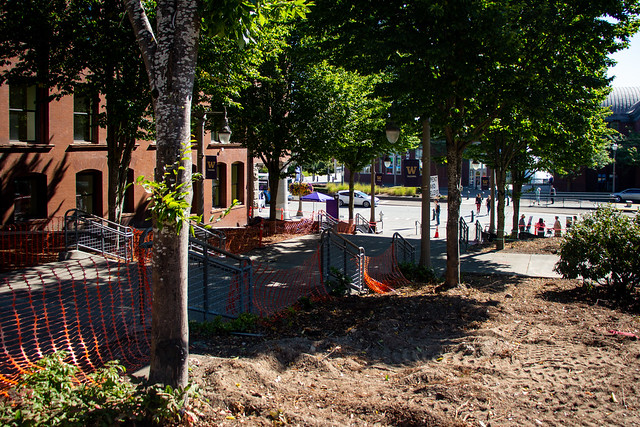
(359, 198)
(631, 194)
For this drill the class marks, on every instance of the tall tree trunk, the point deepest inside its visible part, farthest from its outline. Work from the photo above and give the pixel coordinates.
(352, 182)
(170, 58)
(454, 174)
(425, 239)
(273, 167)
(492, 202)
(501, 178)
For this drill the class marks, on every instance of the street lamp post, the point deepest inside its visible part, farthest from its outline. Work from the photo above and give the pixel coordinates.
(615, 150)
(393, 133)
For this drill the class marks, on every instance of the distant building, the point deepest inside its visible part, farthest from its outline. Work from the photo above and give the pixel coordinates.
(624, 103)
(53, 157)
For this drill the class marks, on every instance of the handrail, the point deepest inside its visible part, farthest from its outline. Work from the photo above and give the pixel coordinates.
(478, 232)
(326, 221)
(349, 259)
(208, 257)
(90, 232)
(362, 224)
(203, 232)
(464, 232)
(401, 244)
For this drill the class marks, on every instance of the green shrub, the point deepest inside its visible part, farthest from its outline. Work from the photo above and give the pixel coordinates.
(51, 395)
(418, 273)
(245, 322)
(339, 284)
(603, 249)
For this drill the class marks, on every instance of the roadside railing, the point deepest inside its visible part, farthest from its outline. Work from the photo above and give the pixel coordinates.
(84, 231)
(568, 199)
(338, 254)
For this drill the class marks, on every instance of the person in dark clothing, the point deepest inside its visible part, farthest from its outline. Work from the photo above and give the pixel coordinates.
(478, 202)
(540, 228)
(437, 211)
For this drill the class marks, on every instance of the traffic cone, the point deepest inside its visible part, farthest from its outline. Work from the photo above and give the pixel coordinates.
(436, 235)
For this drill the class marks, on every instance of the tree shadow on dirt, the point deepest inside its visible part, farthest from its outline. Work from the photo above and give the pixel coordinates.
(388, 329)
(582, 294)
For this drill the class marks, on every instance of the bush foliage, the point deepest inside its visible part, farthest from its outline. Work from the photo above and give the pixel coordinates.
(52, 395)
(603, 249)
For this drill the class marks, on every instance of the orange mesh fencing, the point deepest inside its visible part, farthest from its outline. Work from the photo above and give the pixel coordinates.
(99, 310)
(381, 272)
(94, 309)
(29, 244)
(274, 289)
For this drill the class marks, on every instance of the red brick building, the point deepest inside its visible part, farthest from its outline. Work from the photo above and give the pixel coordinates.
(53, 158)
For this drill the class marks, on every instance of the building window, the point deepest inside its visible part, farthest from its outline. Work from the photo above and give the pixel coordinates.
(88, 187)
(24, 114)
(218, 188)
(84, 118)
(237, 182)
(30, 198)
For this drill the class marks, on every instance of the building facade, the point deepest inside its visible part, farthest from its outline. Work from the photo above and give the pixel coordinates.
(53, 158)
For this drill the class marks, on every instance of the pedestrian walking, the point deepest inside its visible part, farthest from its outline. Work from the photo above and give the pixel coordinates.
(488, 204)
(521, 223)
(437, 213)
(538, 190)
(557, 227)
(478, 202)
(552, 194)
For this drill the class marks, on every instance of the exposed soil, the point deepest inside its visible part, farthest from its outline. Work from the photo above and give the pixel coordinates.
(499, 351)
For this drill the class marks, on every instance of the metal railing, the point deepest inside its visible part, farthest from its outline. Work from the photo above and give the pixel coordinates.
(478, 232)
(210, 235)
(362, 225)
(339, 254)
(403, 251)
(463, 232)
(220, 283)
(84, 231)
(568, 199)
(326, 221)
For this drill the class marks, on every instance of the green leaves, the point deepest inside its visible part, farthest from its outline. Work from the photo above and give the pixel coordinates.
(170, 202)
(603, 248)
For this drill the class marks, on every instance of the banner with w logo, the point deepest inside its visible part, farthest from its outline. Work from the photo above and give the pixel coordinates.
(411, 173)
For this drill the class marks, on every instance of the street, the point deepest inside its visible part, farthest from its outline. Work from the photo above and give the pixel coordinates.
(403, 215)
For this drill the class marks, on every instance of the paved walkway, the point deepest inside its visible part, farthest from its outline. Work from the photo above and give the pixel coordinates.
(287, 254)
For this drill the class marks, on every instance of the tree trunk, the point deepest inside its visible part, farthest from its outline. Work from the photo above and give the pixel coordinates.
(170, 59)
(492, 202)
(274, 184)
(501, 178)
(454, 173)
(352, 179)
(425, 239)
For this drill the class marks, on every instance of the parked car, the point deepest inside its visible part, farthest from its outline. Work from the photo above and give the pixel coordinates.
(359, 198)
(631, 194)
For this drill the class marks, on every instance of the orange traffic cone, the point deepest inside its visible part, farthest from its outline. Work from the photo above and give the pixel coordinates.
(436, 235)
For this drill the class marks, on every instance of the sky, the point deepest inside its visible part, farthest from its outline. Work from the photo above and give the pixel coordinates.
(627, 71)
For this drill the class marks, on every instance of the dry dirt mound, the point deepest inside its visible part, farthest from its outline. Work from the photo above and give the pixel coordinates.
(497, 351)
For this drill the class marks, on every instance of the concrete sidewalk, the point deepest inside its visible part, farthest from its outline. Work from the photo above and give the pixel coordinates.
(289, 253)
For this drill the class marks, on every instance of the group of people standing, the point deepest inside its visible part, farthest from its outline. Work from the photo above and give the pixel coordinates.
(479, 203)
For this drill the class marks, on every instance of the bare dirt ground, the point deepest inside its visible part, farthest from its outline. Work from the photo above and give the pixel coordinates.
(497, 351)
